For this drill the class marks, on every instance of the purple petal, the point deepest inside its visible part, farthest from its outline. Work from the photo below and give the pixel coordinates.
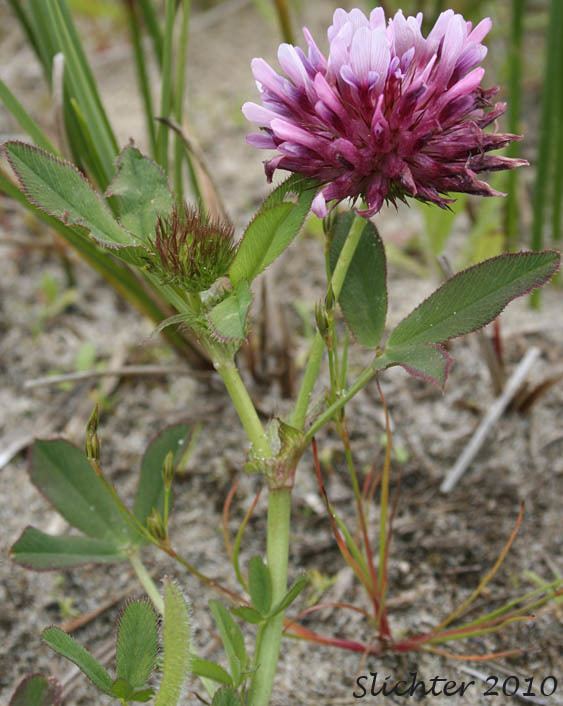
(284, 130)
(292, 65)
(481, 31)
(440, 27)
(316, 57)
(403, 38)
(319, 206)
(261, 140)
(259, 115)
(377, 18)
(370, 52)
(328, 95)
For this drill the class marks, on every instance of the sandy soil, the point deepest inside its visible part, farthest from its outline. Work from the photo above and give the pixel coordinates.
(442, 545)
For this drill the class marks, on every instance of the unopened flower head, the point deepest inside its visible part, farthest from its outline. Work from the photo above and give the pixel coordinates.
(388, 114)
(192, 250)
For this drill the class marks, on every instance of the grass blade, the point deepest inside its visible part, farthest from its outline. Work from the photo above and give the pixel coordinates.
(153, 28)
(514, 108)
(546, 133)
(44, 33)
(21, 15)
(166, 87)
(85, 66)
(24, 119)
(141, 69)
(81, 86)
(181, 62)
(557, 213)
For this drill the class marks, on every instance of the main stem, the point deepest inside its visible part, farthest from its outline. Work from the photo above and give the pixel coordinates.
(279, 515)
(244, 406)
(269, 637)
(279, 500)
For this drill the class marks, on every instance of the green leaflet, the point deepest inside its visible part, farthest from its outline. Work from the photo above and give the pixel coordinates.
(137, 643)
(228, 319)
(64, 475)
(248, 614)
(142, 188)
(429, 362)
(67, 646)
(474, 297)
(150, 491)
(39, 551)
(226, 696)
(121, 689)
(276, 224)
(59, 189)
(232, 638)
(290, 596)
(363, 298)
(209, 670)
(37, 690)
(176, 636)
(259, 585)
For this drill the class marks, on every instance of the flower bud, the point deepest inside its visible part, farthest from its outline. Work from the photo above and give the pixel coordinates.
(168, 470)
(192, 250)
(323, 322)
(330, 299)
(155, 526)
(92, 439)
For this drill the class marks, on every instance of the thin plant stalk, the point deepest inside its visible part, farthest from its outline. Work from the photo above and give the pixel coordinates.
(147, 583)
(238, 541)
(488, 576)
(545, 148)
(141, 69)
(284, 20)
(313, 367)
(166, 88)
(383, 514)
(179, 92)
(557, 211)
(361, 381)
(244, 407)
(514, 110)
(376, 591)
(153, 28)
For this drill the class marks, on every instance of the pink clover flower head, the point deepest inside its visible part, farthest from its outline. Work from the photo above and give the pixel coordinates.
(387, 114)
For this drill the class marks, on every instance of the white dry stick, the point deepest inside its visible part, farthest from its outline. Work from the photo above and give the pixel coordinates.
(123, 371)
(489, 420)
